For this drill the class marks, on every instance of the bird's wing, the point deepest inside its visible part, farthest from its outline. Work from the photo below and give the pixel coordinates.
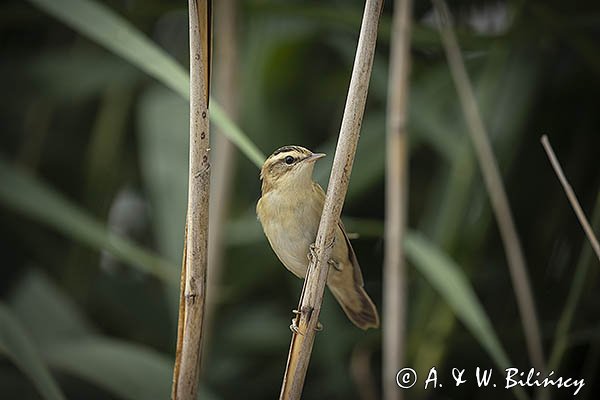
(358, 279)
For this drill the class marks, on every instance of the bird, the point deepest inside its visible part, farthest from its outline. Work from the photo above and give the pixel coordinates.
(289, 211)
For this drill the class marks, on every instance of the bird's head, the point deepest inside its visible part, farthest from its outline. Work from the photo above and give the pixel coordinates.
(288, 167)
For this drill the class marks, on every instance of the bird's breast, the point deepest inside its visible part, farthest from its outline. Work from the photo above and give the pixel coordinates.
(290, 224)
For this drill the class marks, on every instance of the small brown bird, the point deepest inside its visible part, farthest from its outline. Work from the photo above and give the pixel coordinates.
(290, 211)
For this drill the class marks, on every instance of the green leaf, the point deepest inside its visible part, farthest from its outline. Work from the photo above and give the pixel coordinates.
(102, 25)
(46, 312)
(127, 370)
(450, 282)
(28, 196)
(16, 344)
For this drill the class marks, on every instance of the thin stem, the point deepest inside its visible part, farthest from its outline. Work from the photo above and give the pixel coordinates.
(495, 188)
(579, 279)
(193, 273)
(394, 269)
(314, 285)
(571, 195)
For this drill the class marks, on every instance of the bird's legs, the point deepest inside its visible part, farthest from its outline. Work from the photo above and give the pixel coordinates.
(294, 327)
(312, 254)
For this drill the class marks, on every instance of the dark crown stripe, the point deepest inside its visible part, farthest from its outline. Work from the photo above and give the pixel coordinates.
(286, 149)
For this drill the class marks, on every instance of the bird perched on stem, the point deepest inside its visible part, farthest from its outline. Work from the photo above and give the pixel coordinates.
(290, 210)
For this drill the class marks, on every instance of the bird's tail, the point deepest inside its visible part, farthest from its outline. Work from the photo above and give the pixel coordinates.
(357, 305)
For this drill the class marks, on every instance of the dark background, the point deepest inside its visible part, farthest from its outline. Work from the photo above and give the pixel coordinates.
(81, 126)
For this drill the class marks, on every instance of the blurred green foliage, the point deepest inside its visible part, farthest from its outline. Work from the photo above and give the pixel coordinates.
(93, 172)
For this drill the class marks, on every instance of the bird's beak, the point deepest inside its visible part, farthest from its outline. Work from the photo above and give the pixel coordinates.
(314, 157)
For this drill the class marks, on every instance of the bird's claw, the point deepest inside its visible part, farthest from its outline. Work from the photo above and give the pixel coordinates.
(312, 252)
(295, 329)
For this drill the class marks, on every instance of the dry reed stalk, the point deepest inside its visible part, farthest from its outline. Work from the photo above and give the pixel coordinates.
(314, 284)
(394, 268)
(193, 272)
(494, 186)
(580, 278)
(571, 195)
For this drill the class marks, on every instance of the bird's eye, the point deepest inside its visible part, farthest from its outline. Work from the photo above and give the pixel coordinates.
(289, 160)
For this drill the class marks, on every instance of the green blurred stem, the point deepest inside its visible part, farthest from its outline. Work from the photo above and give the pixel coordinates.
(579, 279)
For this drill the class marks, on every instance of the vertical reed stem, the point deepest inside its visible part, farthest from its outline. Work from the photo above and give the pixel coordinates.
(193, 272)
(394, 269)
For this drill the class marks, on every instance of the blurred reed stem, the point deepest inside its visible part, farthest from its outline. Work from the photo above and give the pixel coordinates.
(314, 285)
(362, 373)
(194, 268)
(394, 268)
(493, 181)
(223, 157)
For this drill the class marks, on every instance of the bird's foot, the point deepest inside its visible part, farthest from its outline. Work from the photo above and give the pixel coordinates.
(312, 253)
(295, 329)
